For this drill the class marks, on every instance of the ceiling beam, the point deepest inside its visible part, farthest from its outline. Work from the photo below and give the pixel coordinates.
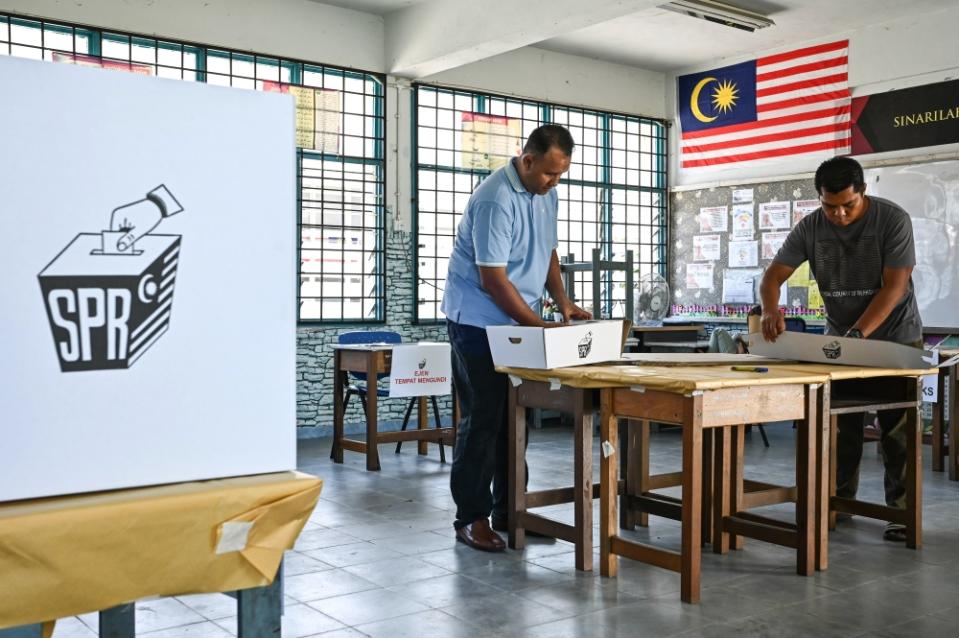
(438, 35)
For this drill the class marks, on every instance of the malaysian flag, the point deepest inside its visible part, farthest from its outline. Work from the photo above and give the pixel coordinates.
(787, 104)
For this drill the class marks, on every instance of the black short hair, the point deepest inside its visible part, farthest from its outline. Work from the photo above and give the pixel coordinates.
(839, 173)
(546, 137)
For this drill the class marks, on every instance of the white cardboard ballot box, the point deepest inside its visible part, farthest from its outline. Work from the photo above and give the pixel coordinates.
(545, 348)
(813, 348)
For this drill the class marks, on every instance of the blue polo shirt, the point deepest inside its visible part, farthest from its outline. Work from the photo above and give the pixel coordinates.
(504, 225)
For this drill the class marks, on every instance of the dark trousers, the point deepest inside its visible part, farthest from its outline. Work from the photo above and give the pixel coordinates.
(892, 443)
(481, 451)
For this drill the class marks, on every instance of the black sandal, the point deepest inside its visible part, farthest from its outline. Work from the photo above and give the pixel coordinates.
(895, 532)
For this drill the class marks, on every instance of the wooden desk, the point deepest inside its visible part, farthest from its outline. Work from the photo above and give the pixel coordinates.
(945, 419)
(887, 389)
(71, 555)
(375, 359)
(699, 399)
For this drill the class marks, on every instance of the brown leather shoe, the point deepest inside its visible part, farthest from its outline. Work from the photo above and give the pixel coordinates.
(478, 535)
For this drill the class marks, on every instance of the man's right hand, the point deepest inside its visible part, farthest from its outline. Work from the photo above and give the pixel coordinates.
(773, 324)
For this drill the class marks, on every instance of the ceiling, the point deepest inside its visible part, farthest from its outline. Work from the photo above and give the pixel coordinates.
(665, 41)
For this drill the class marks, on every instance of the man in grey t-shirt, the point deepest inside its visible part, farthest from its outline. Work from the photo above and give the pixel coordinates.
(861, 252)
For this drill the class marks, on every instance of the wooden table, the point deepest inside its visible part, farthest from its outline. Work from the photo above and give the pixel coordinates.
(945, 419)
(375, 359)
(699, 399)
(887, 389)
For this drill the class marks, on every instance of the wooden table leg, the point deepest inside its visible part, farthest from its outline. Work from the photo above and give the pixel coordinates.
(707, 488)
(914, 473)
(938, 426)
(372, 452)
(583, 482)
(337, 453)
(630, 464)
(833, 468)
(806, 484)
(823, 437)
(421, 424)
(722, 489)
(641, 465)
(951, 419)
(516, 470)
(608, 484)
(118, 622)
(738, 452)
(690, 559)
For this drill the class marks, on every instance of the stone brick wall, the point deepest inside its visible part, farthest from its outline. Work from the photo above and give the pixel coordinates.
(314, 413)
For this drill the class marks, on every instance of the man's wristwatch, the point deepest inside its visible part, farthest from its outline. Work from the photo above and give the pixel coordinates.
(855, 333)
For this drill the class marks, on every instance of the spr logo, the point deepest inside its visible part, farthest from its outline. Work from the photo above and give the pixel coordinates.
(422, 364)
(585, 345)
(832, 350)
(109, 295)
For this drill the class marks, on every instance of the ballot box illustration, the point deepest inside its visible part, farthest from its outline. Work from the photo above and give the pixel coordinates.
(109, 295)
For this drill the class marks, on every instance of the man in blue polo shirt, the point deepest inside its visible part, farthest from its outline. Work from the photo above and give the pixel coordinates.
(503, 257)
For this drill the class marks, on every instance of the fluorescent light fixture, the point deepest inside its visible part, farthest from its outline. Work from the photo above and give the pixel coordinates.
(720, 13)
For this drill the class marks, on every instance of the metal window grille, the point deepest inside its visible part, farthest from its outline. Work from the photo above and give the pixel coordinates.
(612, 198)
(340, 147)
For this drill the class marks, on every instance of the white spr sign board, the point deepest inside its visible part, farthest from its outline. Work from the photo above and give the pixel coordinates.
(148, 252)
(421, 369)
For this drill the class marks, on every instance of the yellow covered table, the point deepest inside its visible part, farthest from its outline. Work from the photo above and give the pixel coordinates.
(71, 555)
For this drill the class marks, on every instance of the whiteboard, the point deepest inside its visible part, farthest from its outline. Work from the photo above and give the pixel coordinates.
(930, 194)
(170, 359)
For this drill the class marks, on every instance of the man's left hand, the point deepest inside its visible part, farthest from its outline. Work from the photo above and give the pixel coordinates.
(571, 311)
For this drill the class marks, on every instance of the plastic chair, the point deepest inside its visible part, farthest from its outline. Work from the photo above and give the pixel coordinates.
(795, 324)
(359, 384)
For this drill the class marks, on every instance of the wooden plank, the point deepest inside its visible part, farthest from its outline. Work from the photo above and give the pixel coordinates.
(609, 480)
(661, 481)
(372, 453)
(641, 466)
(869, 510)
(738, 461)
(770, 496)
(421, 424)
(755, 404)
(951, 418)
(938, 429)
(516, 470)
(722, 478)
(359, 360)
(665, 558)
(583, 483)
(657, 505)
(764, 520)
(353, 445)
(760, 531)
(433, 435)
(693, 415)
(806, 484)
(337, 453)
(914, 471)
(651, 405)
(823, 437)
(857, 406)
(706, 528)
(833, 464)
(549, 527)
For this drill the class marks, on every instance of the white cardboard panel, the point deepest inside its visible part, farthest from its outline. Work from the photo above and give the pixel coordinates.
(813, 348)
(544, 348)
(169, 361)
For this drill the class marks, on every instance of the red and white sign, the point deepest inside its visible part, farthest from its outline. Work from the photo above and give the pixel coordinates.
(420, 370)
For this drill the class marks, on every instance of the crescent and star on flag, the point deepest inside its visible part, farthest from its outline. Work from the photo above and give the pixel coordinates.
(724, 97)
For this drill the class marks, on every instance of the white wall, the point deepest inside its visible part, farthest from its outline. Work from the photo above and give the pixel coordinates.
(894, 55)
(298, 29)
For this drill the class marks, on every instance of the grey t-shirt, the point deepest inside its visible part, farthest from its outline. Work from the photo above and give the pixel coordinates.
(847, 264)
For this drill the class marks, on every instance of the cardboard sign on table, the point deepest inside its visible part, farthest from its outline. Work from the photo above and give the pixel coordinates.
(419, 370)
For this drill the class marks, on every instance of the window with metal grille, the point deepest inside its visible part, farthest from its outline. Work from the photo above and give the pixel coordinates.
(613, 197)
(340, 147)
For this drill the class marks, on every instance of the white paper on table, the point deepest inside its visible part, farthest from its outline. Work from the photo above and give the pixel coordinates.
(713, 219)
(773, 215)
(706, 248)
(743, 254)
(743, 221)
(699, 276)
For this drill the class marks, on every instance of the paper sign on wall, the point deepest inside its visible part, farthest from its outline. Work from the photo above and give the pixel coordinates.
(713, 219)
(706, 247)
(773, 215)
(743, 254)
(421, 369)
(743, 223)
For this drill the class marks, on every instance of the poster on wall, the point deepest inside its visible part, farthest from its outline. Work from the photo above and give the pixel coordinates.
(489, 141)
(743, 254)
(773, 215)
(699, 276)
(131, 341)
(916, 117)
(772, 242)
(742, 195)
(706, 248)
(713, 219)
(743, 222)
(318, 115)
(803, 207)
(739, 286)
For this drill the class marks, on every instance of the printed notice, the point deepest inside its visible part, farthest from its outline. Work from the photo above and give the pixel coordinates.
(773, 215)
(742, 195)
(743, 221)
(739, 286)
(706, 247)
(772, 242)
(802, 207)
(713, 219)
(699, 276)
(489, 141)
(743, 254)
